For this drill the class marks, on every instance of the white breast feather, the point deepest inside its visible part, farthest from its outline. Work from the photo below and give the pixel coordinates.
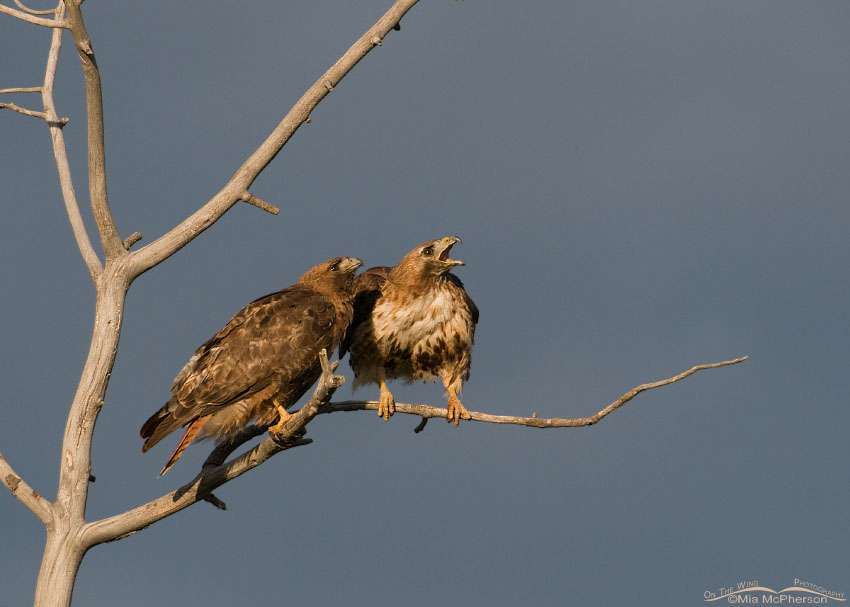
(422, 321)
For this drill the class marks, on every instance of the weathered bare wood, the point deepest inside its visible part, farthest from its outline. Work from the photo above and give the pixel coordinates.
(32, 11)
(25, 89)
(31, 18)
(427, 411)
(22, 110)
(259, 203)
(60, 154)
(110, 240)
(28, 496)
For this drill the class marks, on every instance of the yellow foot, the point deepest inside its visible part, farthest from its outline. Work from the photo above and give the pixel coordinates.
(455, 410)
(386, 403)
(283, 415)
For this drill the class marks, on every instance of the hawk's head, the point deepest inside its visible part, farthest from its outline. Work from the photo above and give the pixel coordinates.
(335, 274)
(430, 258)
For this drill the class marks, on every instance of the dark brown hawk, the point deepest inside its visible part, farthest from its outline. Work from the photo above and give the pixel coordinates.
(261, 362)
(414, 321)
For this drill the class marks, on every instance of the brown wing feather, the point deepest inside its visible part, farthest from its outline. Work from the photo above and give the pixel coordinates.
(275, 339)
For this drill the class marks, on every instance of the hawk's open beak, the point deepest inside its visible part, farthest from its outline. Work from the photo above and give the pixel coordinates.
(447, 243)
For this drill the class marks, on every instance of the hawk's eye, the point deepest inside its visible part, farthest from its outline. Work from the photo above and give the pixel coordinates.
(428, 251)
(334, 266)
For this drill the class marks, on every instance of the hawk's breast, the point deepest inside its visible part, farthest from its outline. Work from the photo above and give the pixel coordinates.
(425, 337)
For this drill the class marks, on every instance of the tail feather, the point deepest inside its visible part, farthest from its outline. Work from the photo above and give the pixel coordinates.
(161, 424)
(191, 432)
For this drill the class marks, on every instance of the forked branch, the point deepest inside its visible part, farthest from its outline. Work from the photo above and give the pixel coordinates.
(55, 123)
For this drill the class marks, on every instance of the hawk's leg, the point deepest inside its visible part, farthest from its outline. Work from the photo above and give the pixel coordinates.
(284, 416)
(386, 402)
(455, 409)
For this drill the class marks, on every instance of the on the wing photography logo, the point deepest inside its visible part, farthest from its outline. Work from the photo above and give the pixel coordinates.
(751, 592)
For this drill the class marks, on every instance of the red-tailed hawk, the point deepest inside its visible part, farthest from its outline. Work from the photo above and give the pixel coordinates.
(261, 362)
(414, 321)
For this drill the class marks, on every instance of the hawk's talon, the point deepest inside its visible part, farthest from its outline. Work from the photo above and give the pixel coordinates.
(455, 411)
(283, 417)
(386, 403)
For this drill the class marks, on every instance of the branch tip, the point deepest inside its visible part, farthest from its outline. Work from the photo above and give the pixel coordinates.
(377, 41)
(427, 411)
(132, 239)
(259, 203)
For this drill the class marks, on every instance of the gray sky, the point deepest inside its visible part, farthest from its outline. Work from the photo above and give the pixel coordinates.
(640, 186)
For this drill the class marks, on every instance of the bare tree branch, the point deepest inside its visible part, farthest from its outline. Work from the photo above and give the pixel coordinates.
(32, 11)
(60, 153)
(21, 110)
(28, 89)
(165, 246)
(427, 411)
(132, 239)
(259, 203)
(24, 16)
(111, 241)
(28, 496)
(213, 474)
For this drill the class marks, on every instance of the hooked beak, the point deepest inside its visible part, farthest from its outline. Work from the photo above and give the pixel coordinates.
(444, 246)
(349, 265)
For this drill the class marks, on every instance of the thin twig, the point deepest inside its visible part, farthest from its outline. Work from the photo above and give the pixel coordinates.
(259, 203)
(60, 154)
(32, 11)
(28, 496)
(26, 89)
(21, 110)
(132, 239)
(23, 16)
(427, 411)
